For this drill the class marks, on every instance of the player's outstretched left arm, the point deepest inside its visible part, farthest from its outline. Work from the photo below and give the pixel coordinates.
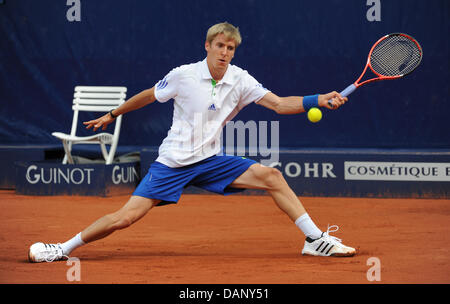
(136, 102)
(294, 104)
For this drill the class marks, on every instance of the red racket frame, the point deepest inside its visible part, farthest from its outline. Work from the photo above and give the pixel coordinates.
(368, 64)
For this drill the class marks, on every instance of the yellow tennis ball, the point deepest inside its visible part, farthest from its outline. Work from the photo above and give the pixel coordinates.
(314, 115)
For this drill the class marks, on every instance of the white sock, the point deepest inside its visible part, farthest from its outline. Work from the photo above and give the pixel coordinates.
(72, 244)
(308, 227)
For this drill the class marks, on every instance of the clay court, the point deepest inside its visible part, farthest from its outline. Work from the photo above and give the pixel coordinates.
(213, 239)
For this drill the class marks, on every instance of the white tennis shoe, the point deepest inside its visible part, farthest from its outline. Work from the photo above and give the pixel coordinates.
(41, 252)
(327, 245)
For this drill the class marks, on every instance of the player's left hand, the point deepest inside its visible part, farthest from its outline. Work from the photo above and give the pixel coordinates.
(336, 99)
(102, 122)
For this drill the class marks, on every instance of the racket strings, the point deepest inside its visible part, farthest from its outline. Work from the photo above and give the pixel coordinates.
(396, 55)
(392, 58)
(389, 56)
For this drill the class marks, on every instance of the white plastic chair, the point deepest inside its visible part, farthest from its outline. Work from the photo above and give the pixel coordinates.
(94, 99)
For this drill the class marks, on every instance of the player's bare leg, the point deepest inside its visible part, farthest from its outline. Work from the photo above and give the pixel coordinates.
(131, 212)
(317, 243)
(271, 180)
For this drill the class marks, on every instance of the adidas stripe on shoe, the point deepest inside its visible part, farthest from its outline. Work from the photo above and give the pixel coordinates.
(327, 245)
(41, 252)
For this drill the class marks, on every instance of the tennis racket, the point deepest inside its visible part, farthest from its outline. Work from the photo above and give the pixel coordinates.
(391, 57)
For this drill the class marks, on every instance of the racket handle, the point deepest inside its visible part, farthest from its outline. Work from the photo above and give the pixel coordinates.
(345, 93)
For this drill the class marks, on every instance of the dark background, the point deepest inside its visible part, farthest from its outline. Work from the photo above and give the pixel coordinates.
(292, 47)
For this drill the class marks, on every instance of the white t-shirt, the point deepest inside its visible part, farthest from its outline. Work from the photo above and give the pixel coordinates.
(201, 109)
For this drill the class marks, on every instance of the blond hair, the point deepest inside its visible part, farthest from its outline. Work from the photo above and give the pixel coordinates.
(229, 30)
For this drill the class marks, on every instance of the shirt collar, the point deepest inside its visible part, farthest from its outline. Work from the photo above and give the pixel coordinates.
(227, 78)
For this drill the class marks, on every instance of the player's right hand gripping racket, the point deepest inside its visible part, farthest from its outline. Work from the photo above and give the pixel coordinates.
(393, 56)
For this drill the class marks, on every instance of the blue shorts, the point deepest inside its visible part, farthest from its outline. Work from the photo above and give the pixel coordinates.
(214, 174)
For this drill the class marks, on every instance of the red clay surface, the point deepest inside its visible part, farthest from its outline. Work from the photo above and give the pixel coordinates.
(212, 239)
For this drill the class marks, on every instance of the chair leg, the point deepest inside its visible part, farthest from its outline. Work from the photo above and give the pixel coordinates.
(68, 156)
(110, 159)
(104, 152)
(112, 152)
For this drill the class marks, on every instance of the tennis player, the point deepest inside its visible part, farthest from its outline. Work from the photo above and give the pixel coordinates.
(206, 95)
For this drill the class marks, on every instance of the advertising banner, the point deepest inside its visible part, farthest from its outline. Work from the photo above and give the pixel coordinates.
(45, 178)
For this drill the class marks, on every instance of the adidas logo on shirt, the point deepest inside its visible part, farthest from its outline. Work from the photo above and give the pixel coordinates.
(212, 107)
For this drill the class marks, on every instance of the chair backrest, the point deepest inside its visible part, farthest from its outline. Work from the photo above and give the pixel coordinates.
(97, 99)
